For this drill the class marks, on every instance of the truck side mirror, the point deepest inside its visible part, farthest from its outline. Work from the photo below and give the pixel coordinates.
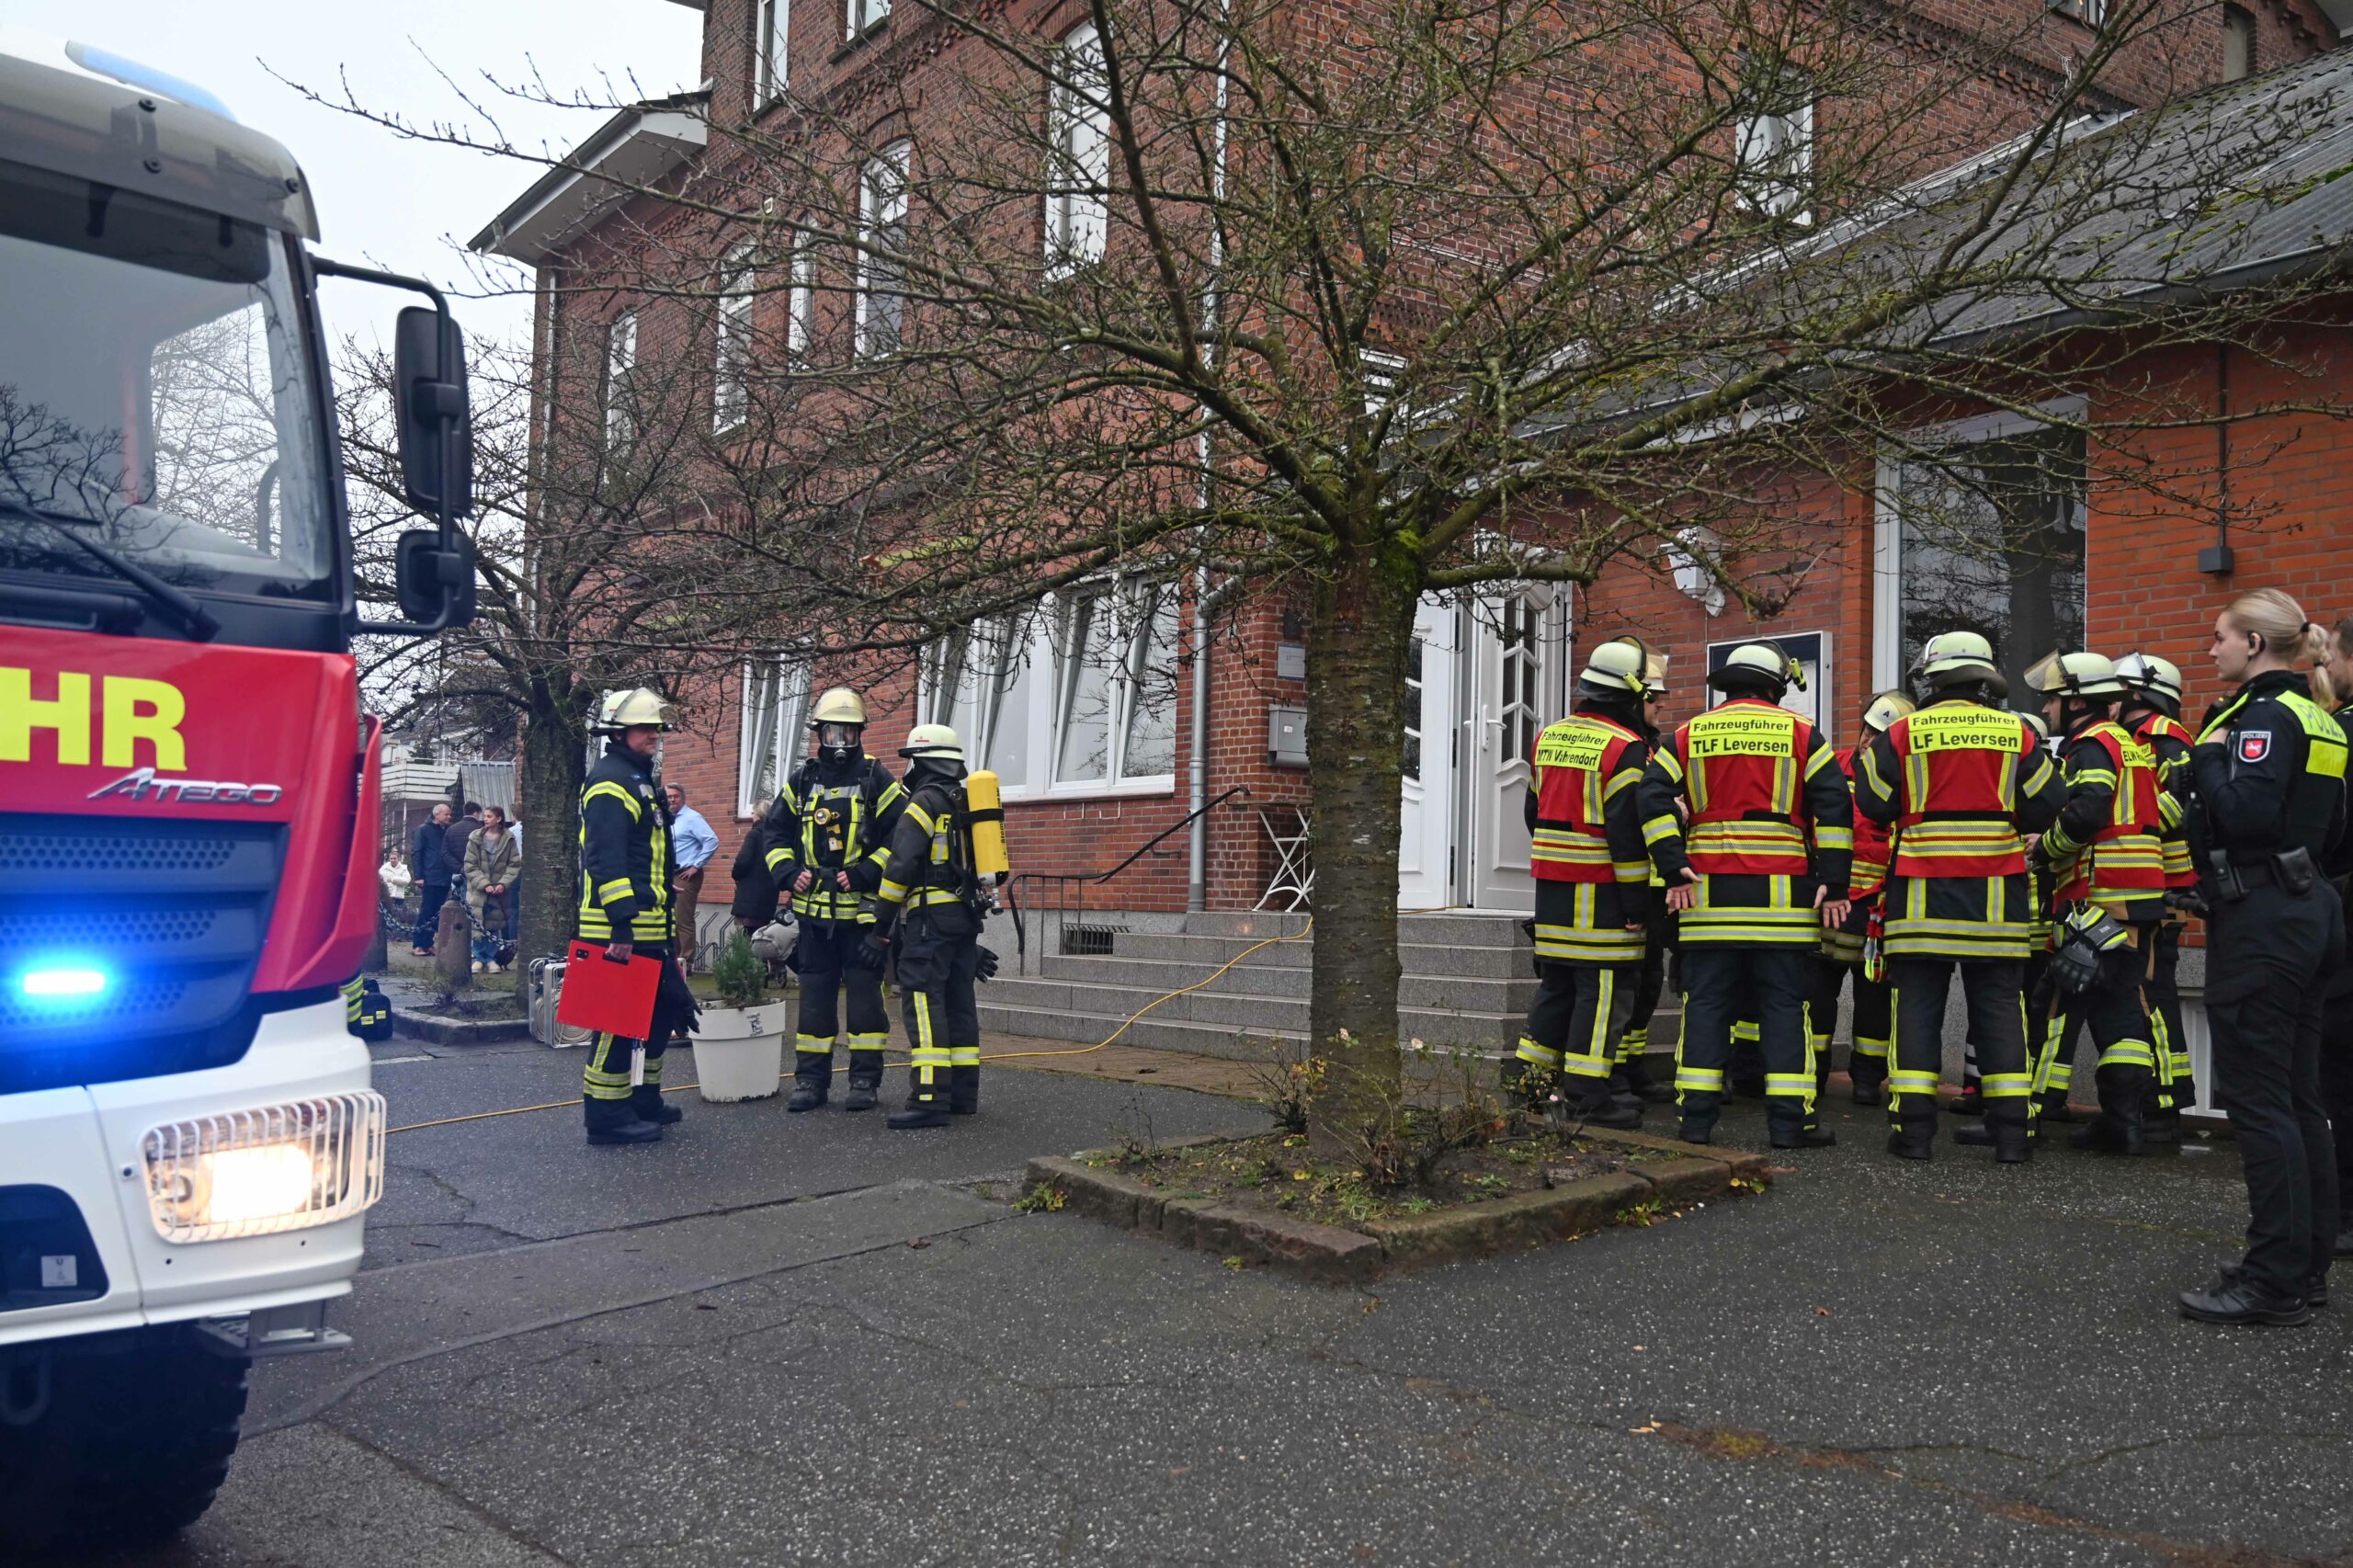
(429, 577)
(429, 406)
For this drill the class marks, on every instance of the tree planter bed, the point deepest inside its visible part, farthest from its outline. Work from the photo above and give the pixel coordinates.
(1613, 1178)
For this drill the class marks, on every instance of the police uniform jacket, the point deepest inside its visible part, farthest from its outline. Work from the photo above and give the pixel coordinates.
(626, 861)
(830, 818)
(1958, 783)
(2269, 771)
(1771, 819)
(1584, 827)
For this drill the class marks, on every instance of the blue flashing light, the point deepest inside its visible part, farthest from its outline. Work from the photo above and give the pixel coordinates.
(132, 73)
(63, 983)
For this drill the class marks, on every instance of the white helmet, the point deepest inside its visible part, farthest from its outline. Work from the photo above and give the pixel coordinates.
(1617, 665)
(634, 710)
(1758, 661)
(1886, 709)
(936, 742)
(2146, 672)
(2076, 674)
(1655, 676)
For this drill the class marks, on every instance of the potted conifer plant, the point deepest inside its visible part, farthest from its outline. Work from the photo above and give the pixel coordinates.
(739, 1045)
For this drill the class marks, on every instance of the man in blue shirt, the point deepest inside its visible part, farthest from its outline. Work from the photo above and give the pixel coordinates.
(696, 844)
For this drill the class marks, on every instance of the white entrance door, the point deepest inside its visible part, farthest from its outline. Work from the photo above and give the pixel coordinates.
(1516, 648)
(1426, 846)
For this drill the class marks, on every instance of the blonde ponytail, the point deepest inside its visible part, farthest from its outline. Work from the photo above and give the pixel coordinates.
(2272, 615)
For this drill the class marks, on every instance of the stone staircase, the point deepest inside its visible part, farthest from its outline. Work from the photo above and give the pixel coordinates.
(1467, 981)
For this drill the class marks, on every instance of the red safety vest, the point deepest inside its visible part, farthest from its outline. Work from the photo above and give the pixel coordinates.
(1743, 766)
(1958, 768)
(1870, 840)
(2180, 871)
(1575, 759)
(2125, 859)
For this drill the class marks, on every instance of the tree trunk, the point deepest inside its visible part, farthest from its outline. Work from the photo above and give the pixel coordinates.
(1361, 630)
(555, 744)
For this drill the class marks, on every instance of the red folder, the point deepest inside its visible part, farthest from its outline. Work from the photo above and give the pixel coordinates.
(616, 999)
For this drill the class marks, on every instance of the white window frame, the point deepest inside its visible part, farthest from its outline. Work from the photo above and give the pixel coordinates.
(731, 380)
(862, 16)
(882, 204)
(801, 299)
(1887, 541)
(1124, 687)
(771, 72)
(776, 691)
(620, 368)
(1773, 155)
(2093, 14)
(1079, 173)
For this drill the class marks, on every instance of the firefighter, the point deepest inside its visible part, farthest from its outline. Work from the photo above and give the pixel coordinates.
(1957, 782)
(1761, 869)
(2107, 861)
(627, 870)
(1593, 890)
(1842, 946)
(2151, 712)
(930, 902)
(2266, 792)
(1634, 1076)
(827, 834)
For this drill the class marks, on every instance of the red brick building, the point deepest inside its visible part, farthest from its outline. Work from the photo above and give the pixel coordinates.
(1095, 731)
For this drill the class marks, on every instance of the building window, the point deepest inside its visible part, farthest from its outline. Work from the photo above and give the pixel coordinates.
(1773, 153)
(883, 226)
(1115, 688)
(2238, 43)
(1078, 178)
(768, 58)
(620, 370)
(776, 698)
(1982, 530)
(978, 683)
(730, 384)
(864, 15)
(801, 299)
(2093, 14)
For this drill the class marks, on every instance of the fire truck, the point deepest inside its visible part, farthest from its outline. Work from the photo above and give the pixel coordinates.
(189, 787)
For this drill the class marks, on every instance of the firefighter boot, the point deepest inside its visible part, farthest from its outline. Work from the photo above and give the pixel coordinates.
(1593, 1104)
(2051, 1106)
(926, 1104)
(1866, 1076)
(2117, 1128)
(865, 1087)
(615, 1121)
(813, 1076)
(647, 1104)
(964, 1090)
(1645, 1085)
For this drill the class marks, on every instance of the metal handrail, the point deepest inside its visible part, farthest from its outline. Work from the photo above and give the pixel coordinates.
(1075, 884)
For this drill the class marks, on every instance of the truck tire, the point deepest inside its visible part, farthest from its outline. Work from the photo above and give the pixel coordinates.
(133, 1443)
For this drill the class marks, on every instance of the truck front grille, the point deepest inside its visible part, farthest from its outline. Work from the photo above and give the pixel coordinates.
(171, 914)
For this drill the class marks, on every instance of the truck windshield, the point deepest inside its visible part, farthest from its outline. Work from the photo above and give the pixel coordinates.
(155, 394)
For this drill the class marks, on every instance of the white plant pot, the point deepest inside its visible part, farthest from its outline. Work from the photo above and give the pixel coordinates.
(739, 1051)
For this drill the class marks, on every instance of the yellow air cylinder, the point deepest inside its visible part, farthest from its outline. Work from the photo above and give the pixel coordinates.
(986, 808)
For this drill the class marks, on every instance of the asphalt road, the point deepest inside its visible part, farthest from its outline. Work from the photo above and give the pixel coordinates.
(808, 1340)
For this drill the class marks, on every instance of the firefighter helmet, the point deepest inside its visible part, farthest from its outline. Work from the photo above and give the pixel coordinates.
(1886, 709)
(1655, 676)
(1758, 663)
(2146, 672)
(1957, 658)
(636, 709)
(839, 705)
(2038, 723)
(2076, 674)
(934, 741)
(1616, 666)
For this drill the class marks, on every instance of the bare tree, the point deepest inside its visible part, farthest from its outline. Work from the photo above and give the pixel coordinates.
(1228, 299)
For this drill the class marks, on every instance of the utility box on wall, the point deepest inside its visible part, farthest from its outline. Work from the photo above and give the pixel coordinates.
(1287, 737)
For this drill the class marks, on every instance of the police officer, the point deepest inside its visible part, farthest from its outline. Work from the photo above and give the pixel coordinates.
(1592, 888)
(1761, 869)
(827, 834)
(1634, 1079)
(1842, 946)
(2267, 778)
(930, 899)
(1959, 782)
(627, 870)
(2107, 860)
(2151, 712)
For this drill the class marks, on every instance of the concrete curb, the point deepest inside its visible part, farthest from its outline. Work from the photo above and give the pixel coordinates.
(461, 1031)
(1663, 1170)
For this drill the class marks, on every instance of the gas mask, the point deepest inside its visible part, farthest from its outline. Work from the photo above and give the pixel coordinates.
(838, 743)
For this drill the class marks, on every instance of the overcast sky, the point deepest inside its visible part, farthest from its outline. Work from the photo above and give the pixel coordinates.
(384, 201)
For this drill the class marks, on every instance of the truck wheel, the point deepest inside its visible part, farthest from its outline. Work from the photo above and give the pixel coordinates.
(131, 1443)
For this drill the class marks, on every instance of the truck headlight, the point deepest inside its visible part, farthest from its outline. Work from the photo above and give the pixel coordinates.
(253, 1172)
